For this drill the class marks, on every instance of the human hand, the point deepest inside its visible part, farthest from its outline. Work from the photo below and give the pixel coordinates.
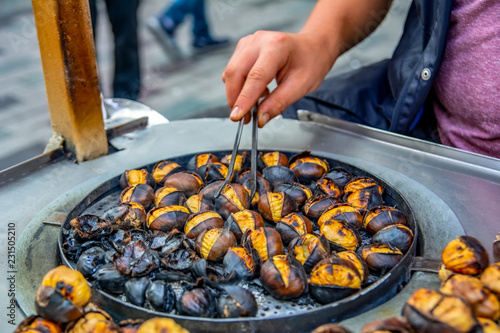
(298, 62)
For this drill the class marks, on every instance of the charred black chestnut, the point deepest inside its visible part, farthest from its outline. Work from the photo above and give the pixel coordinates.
(293, 225)
(163, 169)
(142, 194)
(110, 279)
(242, 221)
(161, 296)
(265, 241)
(199, 203)
(90, 261)
(233, 198)
(309, 250)
(333, 279)
(465, 255)
(213, 244)
(283, 277)
(318, 204)
(342, 236)
(380, 217)
(339, 176)
(169, 196)
(274, 206)
(135, 290)
(381, 257)
(200, 222)
(278, 174)
(167, 218)
(126, 216)
(136, 259)
(90, 226)
(197, 303)
(239, 302)
(199, 163)
(298, 192)
(238, 260)
(186, 181)
(308, 168)
(397, 235)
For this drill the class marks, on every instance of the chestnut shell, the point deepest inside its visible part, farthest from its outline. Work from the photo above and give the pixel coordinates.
(293, 225)
(465, 255)
(380, 217)
(308, 168)
(186, 181)
(283, 277)
(381, 257)
(274, 206)
(397, 235)
(233, 198)
(298, 192)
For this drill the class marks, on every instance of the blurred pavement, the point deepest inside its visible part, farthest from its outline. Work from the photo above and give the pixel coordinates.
(192, 88)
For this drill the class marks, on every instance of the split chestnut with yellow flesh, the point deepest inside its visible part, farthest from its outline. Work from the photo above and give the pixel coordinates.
(309, 250)
(136, 177)
(265, 242)
(216, 171)
(95, 321)
(168, 196)
(142, 194)
(308, 168)
(360, 183)
(341, 235)
(465, 255)
(263, 187)
(380, 217)
(380, 258)
(233, 198)
(293, 225)
(365, 198)
(213, 244)
(244, 220)
(241, 163)
(318, 204)
(200, 222)
(326, 186)
(36, 324)
(199, 162)
(158, 324)
(490, 277)
(163, 169)
(272, 159)
(283, 277)
(239, 261)
(274, 206)
(199, 203)
(167, 218)
(340, 176)
(343, 212)
(298, 192)
(358, 262)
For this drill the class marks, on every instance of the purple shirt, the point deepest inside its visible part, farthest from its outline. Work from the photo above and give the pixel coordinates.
(467, 86)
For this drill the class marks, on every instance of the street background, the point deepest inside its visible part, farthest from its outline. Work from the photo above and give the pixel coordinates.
(191, 88)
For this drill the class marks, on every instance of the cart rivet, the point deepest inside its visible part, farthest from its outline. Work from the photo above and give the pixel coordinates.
(426, 74)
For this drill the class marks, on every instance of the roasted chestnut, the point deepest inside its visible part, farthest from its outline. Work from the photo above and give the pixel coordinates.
(265, 241)
(326, 186)
(365, 198)
(465, 255)
(331, 328)
(333, 279)
(298, 192)
(110, 279)
(274, 206)
(169, 196)
(429, 310)
(238, 260)
(283, 277)
(126, 216)
(380, 217)
(444, 273)
(392, 325)
(213, 244)
(90, 261)
(263, 187)
(339, 175)
(163, 169)
(233, 198)
(179, 259)
(199, 203)
(142, 194)
(381, 257)
(186, 181)
(35, 324)
(136, 177)
(271, 159)
(397, 235)
(136, 259)
(200, 222)
(161, 296)
(216, 171)
(239, 302)
(242, 221)
(358, 262)
(135, 290)
(159, 324)
(199, 162)
(242, 161)
(308, 168)
(278, 174)
(488, 325)
(309, 250)
(94, 321)
(62, 295)
(360, 183)
(490, 277)
(130, 325)
(342, 236)
(90, 226)
(483, 302)
(293, 225)
(318, 204)
(343, 212)
(208, 189)
(198, 302)
(167, 218)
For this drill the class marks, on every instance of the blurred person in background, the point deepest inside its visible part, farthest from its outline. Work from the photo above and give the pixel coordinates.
(123, 18)
(164, 26)
(441, 84)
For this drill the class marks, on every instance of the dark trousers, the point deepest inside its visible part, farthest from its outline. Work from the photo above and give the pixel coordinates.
(178, 10)
(123, 17)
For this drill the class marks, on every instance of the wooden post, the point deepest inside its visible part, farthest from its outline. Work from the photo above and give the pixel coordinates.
(69, 65)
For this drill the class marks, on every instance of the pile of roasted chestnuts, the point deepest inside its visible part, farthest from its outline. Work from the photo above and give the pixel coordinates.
(468, 300)
(62, 304)
(311, 231)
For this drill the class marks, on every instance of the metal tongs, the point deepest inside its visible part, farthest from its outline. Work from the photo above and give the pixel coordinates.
(253, 159)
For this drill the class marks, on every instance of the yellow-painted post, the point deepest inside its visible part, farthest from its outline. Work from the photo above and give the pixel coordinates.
(69, 66)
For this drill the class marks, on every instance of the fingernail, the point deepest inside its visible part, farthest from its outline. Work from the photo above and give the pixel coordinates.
(264, 119)
(234, 112)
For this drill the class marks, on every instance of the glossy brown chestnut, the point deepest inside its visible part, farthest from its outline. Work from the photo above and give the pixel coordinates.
(283, 277)
(159, 324)
(271, 159)
(169, 196)
(129, 215)
(326, 186)
(95, 321)
(365, 198)
(91, 226)
(361, 182)
(62, 295)
(242, 221)
(392, 325)
(265, 241)
(278, 174)
(263, 187)
(358, 262)
(343, 212)
(216, 171)
(298, 192)
(397, 235)
(167, 218)
(142, 194)
(199, 203)
(213, 244)
(309, 250)
(308, 168)
(136, 177)
(465, 255)
(239, 261)
(233, 198)
(429, 310)
(333, 279)
(242, 161)
(342, 236)
(381, 257)
(380, 217)
(274, 206)
(164, 168)
(239, 302)
(483, 302)
(490, 277)
(36, 324)
(200, 222)
(340, 176)
(199, 162)
(293, 225)
(317, 205)
(208, 189)
(186, 181)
